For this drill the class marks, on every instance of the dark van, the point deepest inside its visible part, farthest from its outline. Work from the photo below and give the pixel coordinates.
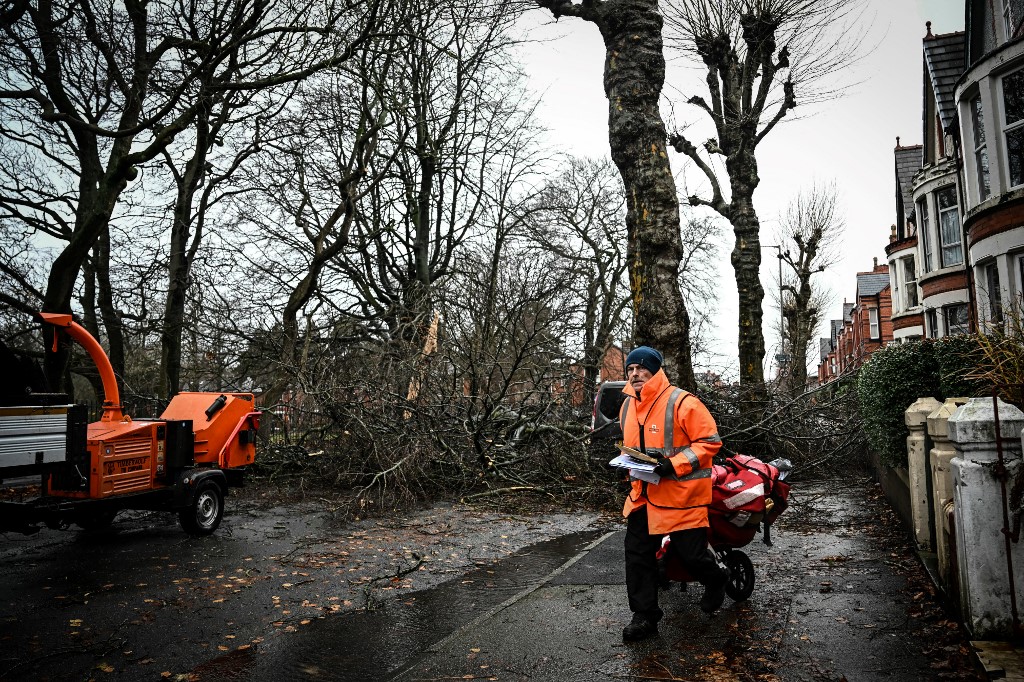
(609, 399)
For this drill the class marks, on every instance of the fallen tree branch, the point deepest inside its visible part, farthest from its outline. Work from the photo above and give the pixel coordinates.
(511, 489)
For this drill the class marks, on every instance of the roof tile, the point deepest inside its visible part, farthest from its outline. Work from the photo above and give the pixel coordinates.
(944, 59)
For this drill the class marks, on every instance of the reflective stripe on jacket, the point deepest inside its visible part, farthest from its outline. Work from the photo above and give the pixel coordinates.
(692, 440)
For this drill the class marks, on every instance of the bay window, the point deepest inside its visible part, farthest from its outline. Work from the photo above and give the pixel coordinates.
(956, 319)
(932, 319)
(1013, 111)
(980, 150)
(873, 323)
(949, 228)
(909, 283)
(995, 300)
(925, 232)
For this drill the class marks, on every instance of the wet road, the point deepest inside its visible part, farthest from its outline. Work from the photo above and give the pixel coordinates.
(839, 596)
(144, 601)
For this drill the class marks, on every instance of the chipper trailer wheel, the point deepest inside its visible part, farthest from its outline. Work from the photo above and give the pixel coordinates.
(207, 509)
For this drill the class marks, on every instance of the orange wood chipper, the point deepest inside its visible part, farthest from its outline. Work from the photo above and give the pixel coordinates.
(185, 461)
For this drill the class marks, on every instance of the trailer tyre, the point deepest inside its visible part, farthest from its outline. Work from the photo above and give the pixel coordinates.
(207, 509)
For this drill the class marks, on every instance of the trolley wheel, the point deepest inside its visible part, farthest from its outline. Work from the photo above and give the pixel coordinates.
(207, 509)
(741, 575)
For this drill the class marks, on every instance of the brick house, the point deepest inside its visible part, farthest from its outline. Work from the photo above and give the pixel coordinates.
(989, 127)
(956, 251)
(871, 317)
(613, 368)
(866, 326)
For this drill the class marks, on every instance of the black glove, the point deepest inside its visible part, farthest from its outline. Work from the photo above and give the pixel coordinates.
(664, 468)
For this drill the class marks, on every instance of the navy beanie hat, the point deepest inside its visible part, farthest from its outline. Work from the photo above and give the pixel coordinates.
(645, 356)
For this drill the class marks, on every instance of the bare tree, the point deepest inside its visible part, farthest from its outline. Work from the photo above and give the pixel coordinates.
(698, 280)
(313, 173)
(809, 233)
(514, 379)
(759, 57)
(92, 91)
(633, 78)
(578, 218)
(452, 122)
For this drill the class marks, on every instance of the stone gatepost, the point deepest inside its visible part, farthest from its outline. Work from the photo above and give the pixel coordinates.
(942, 480)
(984, 579)
(916, 417)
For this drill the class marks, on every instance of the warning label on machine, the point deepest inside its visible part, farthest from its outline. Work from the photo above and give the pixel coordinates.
(125, 466)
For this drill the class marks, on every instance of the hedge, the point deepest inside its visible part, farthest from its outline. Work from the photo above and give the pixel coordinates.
(897, 375)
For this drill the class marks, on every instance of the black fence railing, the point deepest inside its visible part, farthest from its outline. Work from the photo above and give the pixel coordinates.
(287, 424)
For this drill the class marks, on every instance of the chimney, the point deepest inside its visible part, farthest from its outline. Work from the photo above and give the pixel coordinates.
(892, 234)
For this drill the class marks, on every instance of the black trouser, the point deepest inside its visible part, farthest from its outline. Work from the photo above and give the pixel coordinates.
(689, 546)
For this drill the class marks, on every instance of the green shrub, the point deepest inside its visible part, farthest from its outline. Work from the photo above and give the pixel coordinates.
(888, 383)
(897, 375)
(958, 356)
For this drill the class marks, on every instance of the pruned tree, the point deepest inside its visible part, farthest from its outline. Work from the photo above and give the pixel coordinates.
(634, 75)
(760, 57)
(809, 232)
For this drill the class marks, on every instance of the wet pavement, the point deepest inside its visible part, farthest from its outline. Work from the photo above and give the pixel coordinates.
(461, 594)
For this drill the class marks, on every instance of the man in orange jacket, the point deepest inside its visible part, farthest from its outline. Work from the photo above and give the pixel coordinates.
(673, 425)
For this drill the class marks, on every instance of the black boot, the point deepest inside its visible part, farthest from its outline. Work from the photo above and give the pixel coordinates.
(639, 628)
(714, 597)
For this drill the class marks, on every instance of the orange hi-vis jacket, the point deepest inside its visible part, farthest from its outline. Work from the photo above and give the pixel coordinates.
(680, 502)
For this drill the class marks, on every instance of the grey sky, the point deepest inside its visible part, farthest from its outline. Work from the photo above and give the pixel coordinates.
(848, 141)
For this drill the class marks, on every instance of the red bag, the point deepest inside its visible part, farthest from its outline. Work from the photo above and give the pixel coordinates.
(745, 492)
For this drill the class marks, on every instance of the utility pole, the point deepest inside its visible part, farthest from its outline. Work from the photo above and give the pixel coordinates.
(781, 357)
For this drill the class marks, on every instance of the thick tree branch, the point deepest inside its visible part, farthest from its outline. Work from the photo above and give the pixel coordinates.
(788, 102)
(684, 146)
(588, 10)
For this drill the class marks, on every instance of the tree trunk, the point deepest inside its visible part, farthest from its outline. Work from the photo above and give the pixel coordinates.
(108, 311)
(801, 326)
(180, 263)
(746, 263)
(633, 77)
(95, 208)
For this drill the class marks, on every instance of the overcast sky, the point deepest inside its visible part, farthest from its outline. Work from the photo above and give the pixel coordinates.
(848, 141)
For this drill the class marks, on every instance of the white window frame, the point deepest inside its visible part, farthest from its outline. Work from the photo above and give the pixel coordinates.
(954, 246)
(894, 283)
(963, 328)
(931, 319)
(984, 178)
(1016, 128)
(1020, 275)
(912, 300)
(874, 324)
(924, 231)
(993, 291)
